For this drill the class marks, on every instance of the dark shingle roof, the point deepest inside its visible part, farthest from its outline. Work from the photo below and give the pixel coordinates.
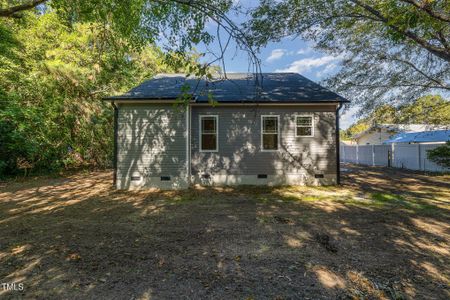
(237, 88)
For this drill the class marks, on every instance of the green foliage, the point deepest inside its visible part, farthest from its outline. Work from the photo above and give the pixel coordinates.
(54, 75)
(343, 134)
(431, 109)
(140, 22)
(440, 155)
(359, 126)
(390, 49)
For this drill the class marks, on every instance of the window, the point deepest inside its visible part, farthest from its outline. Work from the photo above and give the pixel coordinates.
(304, 126)
(208, 133)
(269, 133)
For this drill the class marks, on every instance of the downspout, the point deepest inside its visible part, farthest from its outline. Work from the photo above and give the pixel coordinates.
(116, 128)
(338, 146)
(188, 144)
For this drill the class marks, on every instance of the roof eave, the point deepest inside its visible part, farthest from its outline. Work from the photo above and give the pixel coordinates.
(113, 98)
(119, 98)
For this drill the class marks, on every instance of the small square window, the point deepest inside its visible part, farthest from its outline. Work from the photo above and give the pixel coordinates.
(304, 126)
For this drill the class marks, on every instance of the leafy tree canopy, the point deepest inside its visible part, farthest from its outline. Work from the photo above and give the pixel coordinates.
(431, 109)
(59, 57)
(139, 20)
(53, 77)
(391, 49)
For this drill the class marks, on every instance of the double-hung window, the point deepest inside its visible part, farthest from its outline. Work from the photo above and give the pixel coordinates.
(269, 133)
(304, 126)
(208, 133)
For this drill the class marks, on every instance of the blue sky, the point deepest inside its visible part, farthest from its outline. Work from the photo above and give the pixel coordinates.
(284, 56)
(287, 55)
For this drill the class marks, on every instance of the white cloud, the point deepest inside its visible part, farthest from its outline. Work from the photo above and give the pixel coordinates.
(276, 54)
(306, 64)
(327, 70)
(306, 50)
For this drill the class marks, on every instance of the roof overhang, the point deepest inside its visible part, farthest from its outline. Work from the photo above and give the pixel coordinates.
(123, 100)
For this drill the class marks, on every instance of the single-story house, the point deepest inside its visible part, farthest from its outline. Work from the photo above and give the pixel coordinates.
(281, 129)
(378, 133)
(423, 137)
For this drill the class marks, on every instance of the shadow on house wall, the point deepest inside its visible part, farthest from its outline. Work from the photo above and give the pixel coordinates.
(152, 145)
(240, 143)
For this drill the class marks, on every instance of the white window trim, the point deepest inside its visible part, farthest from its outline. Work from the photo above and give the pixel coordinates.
(312, 125)
(200, 132)
(278, 133)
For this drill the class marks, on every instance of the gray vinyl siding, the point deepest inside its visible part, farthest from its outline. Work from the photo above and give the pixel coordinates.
(239, 149)
(151, 143)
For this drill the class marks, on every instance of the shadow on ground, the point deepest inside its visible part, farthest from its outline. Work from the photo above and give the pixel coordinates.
(383, 234)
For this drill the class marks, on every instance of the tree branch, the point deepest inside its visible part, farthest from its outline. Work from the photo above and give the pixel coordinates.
(375, 86)
(10, 12)
(229, 26)
(440, 83)
(426, 8)
(438, 51)
(443, 40)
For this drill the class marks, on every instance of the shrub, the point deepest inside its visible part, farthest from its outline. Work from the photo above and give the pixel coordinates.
(440, 155)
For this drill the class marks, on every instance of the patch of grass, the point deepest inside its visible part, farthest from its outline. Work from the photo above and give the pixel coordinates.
(309, 194)
(385, 197)
(421, 205)
(306, 195)
(302, 198)
(398, 200)
(366, 203)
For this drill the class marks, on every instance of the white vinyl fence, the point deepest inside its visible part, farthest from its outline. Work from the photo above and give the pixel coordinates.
(408, 156)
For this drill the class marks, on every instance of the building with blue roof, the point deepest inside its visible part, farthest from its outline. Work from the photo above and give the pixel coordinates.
(434, 136)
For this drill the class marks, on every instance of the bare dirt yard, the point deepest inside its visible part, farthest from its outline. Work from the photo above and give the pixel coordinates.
(383, 234)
